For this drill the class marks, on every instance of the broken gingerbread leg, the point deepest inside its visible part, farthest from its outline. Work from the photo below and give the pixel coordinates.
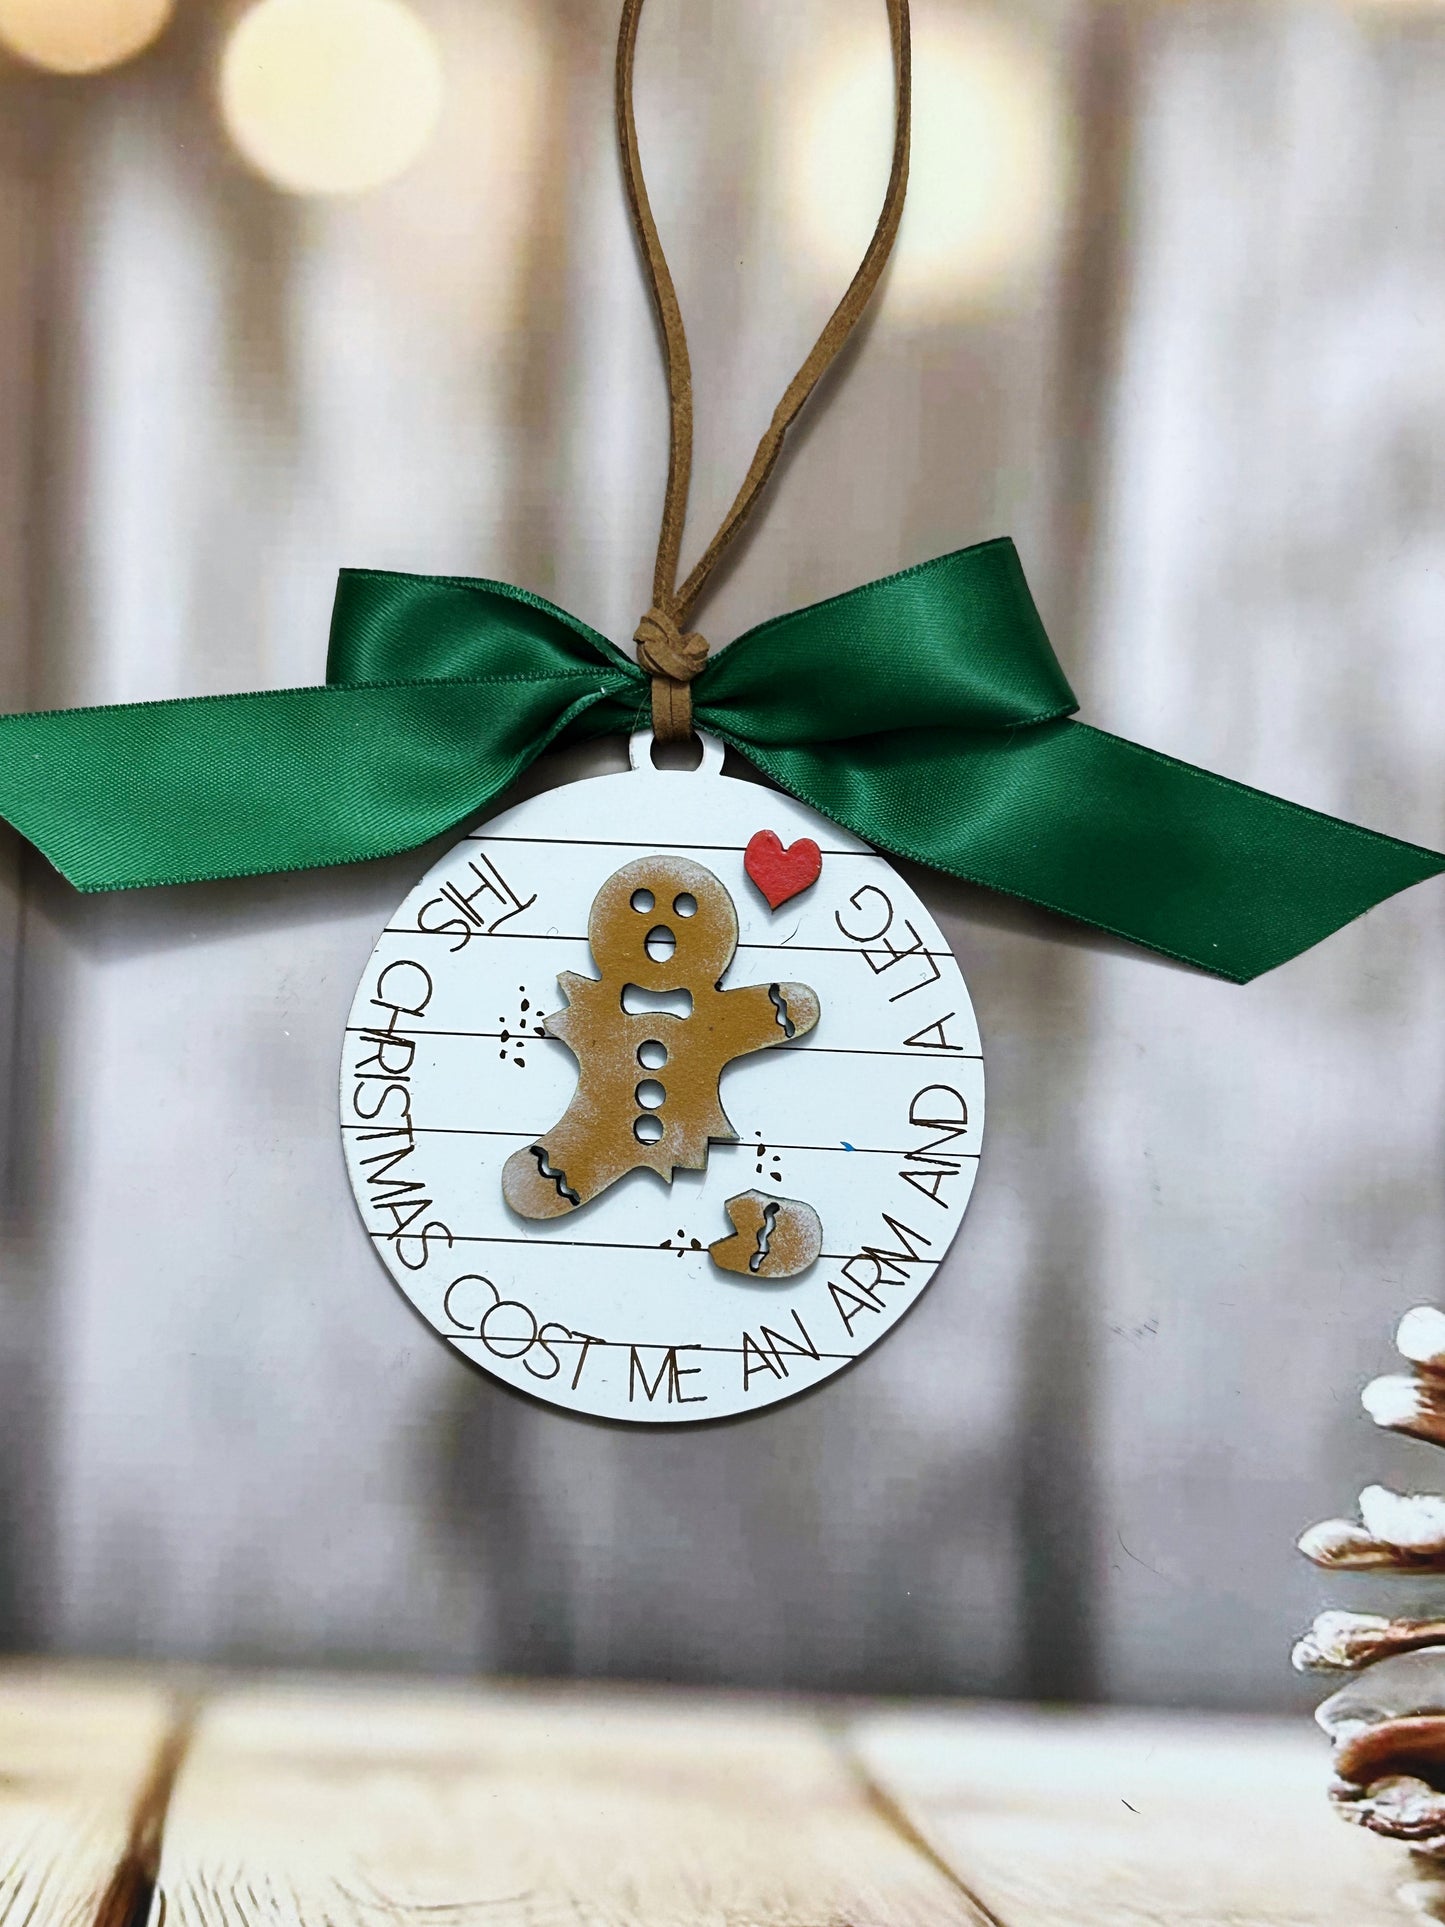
(772, 1237)
(533, 1188)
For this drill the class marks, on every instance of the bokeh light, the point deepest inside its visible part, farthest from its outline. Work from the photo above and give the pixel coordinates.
(989, 172)
(80, 36)
(330, 96)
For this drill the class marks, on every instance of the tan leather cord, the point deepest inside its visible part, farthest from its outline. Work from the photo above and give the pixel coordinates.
(670, 655)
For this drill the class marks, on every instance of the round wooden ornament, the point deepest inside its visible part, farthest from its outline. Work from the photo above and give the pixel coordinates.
(662, 1096)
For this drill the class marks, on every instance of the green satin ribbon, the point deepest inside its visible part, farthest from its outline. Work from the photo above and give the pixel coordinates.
(926, 712)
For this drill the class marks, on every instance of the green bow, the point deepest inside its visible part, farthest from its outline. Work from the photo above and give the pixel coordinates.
(926, 712)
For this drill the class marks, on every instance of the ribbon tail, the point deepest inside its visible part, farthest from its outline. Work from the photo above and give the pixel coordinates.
(1193, 865)
(291, 779)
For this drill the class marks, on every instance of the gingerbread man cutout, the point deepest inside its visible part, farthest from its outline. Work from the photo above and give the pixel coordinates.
(647, 1087)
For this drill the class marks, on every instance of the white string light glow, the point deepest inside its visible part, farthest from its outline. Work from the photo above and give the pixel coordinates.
(80, 36)
(330, 96)
(989, 170)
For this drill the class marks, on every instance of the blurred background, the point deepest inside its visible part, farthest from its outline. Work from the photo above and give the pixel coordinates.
(307, 283)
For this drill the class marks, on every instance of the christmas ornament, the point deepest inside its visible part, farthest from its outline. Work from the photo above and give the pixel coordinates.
(555, 1168)
(610, 1145)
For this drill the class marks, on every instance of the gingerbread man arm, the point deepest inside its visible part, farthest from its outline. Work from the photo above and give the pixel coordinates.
(758, 1016)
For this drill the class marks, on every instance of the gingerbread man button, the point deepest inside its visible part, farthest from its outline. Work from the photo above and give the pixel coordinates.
(647, 1093)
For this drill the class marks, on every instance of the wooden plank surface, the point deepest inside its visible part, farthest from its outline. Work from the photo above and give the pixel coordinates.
(83, 1770)
(349, 1806)
(1051, 1819)
(340, 1804)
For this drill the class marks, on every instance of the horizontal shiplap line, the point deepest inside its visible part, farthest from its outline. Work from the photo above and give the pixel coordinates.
(919, 1054)
(623, 1244)
(664, 1345)
(721, 1144)
(621, 843)
(792, 949)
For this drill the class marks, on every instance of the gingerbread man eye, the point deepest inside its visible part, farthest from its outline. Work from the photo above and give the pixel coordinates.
(684, 905)
(642, 901)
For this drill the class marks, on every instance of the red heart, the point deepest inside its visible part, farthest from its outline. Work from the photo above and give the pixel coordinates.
(781, 873)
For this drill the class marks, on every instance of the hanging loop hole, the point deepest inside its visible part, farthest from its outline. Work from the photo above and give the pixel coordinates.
(643, 743)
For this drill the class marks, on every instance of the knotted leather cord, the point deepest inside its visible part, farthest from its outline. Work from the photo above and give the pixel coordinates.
(671, 655)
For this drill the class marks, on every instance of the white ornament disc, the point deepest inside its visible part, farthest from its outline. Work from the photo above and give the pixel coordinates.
(837, 1043)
